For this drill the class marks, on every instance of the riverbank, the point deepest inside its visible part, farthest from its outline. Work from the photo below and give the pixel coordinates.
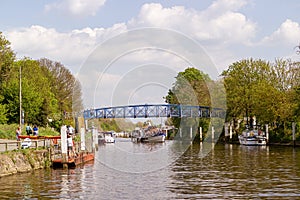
(23, 161)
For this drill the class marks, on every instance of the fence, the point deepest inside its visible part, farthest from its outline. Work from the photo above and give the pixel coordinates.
(13, 145)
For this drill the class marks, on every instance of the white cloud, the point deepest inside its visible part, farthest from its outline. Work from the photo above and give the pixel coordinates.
(219, 23)
(69, 48)
(287, 34)
(76, 7)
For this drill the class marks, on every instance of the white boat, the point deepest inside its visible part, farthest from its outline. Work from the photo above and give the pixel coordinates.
(253, 138)
(108, 137)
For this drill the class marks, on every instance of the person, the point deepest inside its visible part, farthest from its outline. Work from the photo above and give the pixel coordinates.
(35, 130)
(70, 144)
(71, 130)
(28, 130)
(18, 133)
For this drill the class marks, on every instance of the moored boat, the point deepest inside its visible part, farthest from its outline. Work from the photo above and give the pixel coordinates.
(108, 137)
(253, 138)
(158, 137)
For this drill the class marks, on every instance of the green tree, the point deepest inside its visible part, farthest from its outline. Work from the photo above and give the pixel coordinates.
(37, 100)
(190, 88)
(7, 57)
(244, 81)
(64, 86)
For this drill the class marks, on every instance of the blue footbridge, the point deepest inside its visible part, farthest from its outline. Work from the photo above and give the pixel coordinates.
(155, 110)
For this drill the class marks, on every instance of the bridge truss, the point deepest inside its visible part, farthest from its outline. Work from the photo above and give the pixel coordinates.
(158, 110)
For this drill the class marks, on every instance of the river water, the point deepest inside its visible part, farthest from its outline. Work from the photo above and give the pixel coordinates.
(172, 170)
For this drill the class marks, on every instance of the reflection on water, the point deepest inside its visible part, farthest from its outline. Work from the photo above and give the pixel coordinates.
(225, 172)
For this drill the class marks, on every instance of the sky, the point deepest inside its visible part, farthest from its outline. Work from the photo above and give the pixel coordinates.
(129, 51)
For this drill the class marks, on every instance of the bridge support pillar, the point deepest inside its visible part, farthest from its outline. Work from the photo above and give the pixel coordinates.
(293, 131)
(267, 132)
(200, 132)
(230, 132)
(212, 134)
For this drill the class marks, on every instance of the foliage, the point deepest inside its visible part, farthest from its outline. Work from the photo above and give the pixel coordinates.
(192, 87)
(63, 84)
(7, 58)
(116, 125)
(48, 89)
(8, 131)
(266, 91)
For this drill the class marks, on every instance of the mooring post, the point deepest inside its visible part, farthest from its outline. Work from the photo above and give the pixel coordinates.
(226, 131)
(230, 132)
(212, 134)
(95, 139)
(294, 130)
(64, 147)
(200, 130)
(180, 133)
(267, 132)
(82, 139)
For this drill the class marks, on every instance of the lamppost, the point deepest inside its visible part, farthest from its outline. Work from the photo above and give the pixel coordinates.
(20, 96)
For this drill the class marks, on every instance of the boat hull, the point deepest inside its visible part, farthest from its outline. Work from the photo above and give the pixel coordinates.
(253, 141)
(158, 138)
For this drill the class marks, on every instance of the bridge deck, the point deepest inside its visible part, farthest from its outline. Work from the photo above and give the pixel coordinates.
(159, 110)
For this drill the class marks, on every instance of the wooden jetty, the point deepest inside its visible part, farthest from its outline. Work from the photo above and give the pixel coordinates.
(66, 157)
(72, 162)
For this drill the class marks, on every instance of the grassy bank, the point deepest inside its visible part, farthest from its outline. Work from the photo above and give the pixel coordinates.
(8, 131)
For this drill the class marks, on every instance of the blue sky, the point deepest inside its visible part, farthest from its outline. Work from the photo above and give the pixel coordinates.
(69, 31)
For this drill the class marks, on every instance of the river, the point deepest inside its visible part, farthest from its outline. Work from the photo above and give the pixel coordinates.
(171, 170)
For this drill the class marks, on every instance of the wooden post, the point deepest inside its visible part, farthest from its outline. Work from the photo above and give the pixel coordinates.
(294, 130)
(82, 139)
(191, 132)
(200, 130)
(64, 147)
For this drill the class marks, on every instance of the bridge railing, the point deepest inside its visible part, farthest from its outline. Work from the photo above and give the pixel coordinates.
(159, 110)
